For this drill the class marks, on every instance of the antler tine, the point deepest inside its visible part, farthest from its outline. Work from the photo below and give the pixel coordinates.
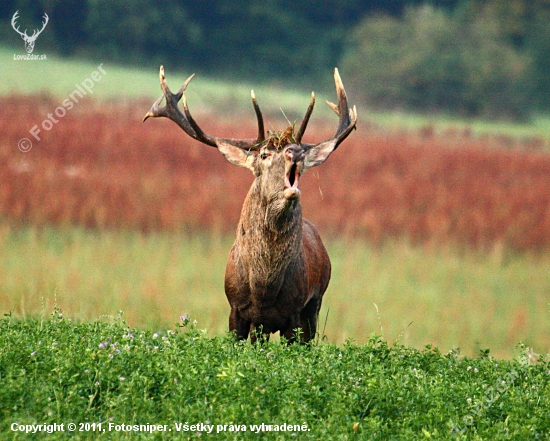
(259, 117)
(171, 110)
(348, 117)
(305, 121)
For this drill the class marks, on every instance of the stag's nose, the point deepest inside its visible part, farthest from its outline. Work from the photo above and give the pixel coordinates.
(294, 153)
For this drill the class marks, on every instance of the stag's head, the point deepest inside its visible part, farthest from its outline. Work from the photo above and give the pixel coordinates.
(278, 160)
(29, 40)
(279, 165)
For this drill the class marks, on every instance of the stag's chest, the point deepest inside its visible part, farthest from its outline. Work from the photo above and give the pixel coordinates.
(268, 252)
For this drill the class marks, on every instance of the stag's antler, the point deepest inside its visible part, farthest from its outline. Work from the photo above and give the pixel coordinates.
(347, 122)
(188, 123)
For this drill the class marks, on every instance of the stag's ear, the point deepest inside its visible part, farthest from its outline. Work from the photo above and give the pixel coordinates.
(318, 154)
(236, 155)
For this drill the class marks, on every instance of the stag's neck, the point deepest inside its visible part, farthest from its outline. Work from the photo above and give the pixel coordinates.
(269, 233)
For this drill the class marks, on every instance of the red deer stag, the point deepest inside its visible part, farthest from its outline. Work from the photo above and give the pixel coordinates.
(278, 267)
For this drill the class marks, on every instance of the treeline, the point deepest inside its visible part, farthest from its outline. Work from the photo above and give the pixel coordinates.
(480, 58)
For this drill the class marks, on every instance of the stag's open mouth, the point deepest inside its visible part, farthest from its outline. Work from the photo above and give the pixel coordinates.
(291, 183)
(293, 175)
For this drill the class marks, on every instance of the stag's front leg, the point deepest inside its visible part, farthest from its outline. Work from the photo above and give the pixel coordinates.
(308, 319)
(238, 325)
(258, 334)
(293, 332)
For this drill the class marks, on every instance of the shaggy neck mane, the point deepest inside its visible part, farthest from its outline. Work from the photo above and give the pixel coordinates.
(270, 230)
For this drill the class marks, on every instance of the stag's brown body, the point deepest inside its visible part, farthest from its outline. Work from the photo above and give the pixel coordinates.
(278, 268)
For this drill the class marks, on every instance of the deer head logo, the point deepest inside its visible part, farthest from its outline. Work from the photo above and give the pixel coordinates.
(29, 40)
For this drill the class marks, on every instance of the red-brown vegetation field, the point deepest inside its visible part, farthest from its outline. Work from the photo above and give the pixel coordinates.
(101, 167)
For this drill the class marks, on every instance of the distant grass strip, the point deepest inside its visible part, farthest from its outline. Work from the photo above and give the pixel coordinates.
(123, 383)
(58, 76)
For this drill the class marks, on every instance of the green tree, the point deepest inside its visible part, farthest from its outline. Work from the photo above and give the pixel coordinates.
(537, 45)
(433, 60)
(140, 29)
(273, 38)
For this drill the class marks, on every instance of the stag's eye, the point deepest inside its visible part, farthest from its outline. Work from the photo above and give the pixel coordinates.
(264, 156)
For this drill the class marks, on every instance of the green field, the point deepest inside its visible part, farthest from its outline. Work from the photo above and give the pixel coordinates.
(103, 380)
(58, 76)
(446, 298)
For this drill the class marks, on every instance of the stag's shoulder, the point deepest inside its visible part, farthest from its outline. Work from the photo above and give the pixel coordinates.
(316, 259)
(312, 243)
(309, 231)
